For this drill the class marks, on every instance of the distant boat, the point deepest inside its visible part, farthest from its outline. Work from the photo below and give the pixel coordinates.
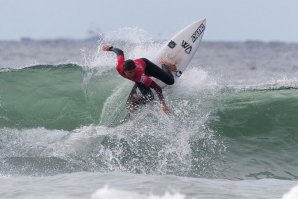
(26, 39)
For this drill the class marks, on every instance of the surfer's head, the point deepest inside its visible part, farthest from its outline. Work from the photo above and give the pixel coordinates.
(129, 68)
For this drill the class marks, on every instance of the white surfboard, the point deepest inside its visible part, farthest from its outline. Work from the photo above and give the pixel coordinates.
(181, 48)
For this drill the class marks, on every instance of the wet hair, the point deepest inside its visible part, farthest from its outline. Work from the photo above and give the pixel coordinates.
(129, 65)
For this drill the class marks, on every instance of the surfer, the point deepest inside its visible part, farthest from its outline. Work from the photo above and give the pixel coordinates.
(140, 70)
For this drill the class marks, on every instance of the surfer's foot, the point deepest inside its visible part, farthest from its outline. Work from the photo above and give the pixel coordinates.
(172, 67)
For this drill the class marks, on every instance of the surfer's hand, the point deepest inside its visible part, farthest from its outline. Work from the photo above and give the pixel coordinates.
(166, 109)
(106, 47)
(171, 66)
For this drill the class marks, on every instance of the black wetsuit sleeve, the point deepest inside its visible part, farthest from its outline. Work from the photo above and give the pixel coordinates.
(158, 91)
(117, 51)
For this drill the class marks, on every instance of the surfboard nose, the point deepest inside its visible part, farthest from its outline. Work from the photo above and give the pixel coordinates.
(204, 21)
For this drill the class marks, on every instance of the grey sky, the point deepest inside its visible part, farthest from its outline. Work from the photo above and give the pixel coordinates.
(227, 20)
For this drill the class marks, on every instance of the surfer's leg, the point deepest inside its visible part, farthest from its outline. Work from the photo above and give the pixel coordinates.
(163, 74)
(132, 102)
(135, 100)
(147, 94)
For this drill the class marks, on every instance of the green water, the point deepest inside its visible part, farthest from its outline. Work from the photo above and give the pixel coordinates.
(54, 97)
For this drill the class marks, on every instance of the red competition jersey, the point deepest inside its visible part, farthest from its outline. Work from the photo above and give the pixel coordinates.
(140, 76)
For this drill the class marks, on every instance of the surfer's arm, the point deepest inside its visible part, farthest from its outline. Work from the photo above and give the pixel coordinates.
(119, 53)
(160, 96)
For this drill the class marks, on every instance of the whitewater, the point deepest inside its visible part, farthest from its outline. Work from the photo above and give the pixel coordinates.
(232, 131)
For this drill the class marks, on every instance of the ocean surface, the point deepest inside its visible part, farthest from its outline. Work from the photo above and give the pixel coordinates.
(232, 132)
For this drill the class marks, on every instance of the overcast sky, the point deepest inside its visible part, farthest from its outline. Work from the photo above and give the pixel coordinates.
(227, 20)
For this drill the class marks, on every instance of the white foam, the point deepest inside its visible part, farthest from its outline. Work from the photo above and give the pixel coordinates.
(292, 194)
(194, 79)
(130, 34)
(148, 50)
(138, 44)
(108, 193)
(114, 104)
(44, 197)
(102, 61)
(36, 141)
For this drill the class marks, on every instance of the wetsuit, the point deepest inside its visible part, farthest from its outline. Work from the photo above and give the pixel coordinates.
(144, 69)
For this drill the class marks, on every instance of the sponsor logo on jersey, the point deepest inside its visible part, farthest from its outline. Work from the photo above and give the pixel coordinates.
(143, 79)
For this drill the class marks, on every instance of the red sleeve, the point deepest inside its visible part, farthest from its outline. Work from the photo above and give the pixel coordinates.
(120, 57)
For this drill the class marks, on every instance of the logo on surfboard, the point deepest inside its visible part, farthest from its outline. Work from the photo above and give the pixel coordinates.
(186, 46)
(172, 44)
(197, 33)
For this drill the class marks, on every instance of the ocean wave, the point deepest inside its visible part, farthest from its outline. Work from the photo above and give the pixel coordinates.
(257, 112)
(212, 131)
(55, 97)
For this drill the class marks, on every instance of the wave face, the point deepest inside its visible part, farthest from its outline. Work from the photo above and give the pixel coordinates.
(262, 129)
(50, 96)
(64, 118)
(68, 117)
